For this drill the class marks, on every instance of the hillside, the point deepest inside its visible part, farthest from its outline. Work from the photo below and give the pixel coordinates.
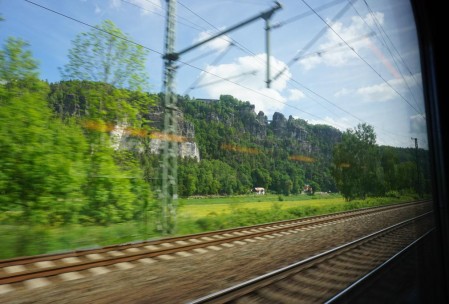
(281, 154)
(227, 147)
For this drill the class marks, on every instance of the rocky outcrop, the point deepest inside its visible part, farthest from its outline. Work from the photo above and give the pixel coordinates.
(187, 148)
(279, 124)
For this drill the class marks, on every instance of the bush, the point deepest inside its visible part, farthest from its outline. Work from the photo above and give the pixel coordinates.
(393, 193)
(208, 224)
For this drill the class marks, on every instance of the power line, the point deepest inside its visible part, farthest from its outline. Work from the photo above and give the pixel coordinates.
(205, 71)
(187, 8)
(252, 90)
(188, 64)
(306, 14)
(195, 27)
(394, 47)
(161, 15)
(382, 34)
(230, 40)
(361, 58)
(295, 59)
(311, 42)
(385, 44)
(236, 43)
(195, 83)
(93, 27)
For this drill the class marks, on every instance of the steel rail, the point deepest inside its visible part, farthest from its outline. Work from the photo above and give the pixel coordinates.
(315, 220)
(376, 270)
(109, 260)
(246, 287)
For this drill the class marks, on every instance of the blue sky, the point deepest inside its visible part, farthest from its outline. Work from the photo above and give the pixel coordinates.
(364, 67)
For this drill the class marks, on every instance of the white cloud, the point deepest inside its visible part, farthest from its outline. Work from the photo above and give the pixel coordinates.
(249, 87)
(217, 44)
(343, 92)
(146, 6)
(418, 124)
(352, 34)
(384, 91)
(295, 95)
(376, 93)
(342, 123)
(97, 9)
(115, 3)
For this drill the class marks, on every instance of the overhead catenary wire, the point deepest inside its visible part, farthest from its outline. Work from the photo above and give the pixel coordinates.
(298, 56)
(93, 27)
(313, 92)
(197, 68)
(311, 42)
(236, 43)
(382, 40)
(200, 77)
(323, 7)
(254, 72)
(394, 47)
(306, 14)
(191, 87)
(158, 52)
(185, 22)
(201, 28)
(361, 58)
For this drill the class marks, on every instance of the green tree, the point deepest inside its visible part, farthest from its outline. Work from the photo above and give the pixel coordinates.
(389, 162)
(187, 177)
(356, 163)
(16, 62)
(107, 55)
(261, 178)
(108, 189)
(41, 158)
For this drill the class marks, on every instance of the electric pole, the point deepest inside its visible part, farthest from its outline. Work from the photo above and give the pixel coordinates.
(169, 191)
(267, 17)
(418, 177)
(169, 184)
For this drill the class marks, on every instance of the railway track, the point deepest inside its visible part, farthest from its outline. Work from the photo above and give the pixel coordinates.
(35, 271)
(320, 278)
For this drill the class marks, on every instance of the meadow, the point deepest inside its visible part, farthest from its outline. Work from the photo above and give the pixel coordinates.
(194, 215)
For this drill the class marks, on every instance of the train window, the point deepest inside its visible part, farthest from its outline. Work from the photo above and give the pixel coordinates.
(173, 141)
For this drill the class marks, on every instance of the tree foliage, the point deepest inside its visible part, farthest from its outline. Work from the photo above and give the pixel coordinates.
(278, 156)
(16, 62)
(361, 168)
(355, 163)
(57, 161)
(107, 55)
(61, 163)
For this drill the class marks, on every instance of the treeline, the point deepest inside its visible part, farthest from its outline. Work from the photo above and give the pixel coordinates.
(57, 164)
(361, 168)
(241, 149)
(282, 155)
(78, 151)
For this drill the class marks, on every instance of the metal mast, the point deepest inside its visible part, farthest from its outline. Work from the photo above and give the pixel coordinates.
(418, 177)
(267, 17)
(169, 188)
(169, 191)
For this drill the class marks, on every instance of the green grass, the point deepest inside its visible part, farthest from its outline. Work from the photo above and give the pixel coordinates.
(197, 208)
(24, 240)
(194, 216)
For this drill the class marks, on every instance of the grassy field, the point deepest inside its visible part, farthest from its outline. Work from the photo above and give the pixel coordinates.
(197, 208)
(194, 216)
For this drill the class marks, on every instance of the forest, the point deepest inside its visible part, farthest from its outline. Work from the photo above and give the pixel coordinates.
(83, 150)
